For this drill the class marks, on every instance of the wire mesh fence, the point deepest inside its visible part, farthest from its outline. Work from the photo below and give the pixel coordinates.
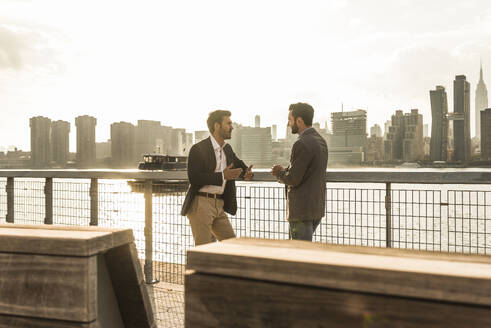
(469, 221)
(29, 206)
(3, 198)
(423, 217)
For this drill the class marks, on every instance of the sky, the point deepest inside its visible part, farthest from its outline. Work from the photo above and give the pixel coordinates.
(175, 61)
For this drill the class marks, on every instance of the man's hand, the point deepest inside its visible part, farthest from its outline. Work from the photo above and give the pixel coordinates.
(275, 170)
(249, 175)
(231, 174)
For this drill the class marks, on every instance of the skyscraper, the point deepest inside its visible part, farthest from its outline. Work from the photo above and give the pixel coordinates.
(376, 131)
(60, 139)
(85, 140)
(347, 144)
(257, 121)
(486, 134)
(461, 123)
(405, 138)
(412, 148)
(439, 124)
(40, 141)
(123, 145)
(481, 102)
(393, 140)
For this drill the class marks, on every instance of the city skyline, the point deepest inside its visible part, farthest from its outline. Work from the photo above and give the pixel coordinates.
(178, 61)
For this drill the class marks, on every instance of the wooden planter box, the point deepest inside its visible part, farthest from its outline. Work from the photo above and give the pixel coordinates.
(53, 276)
(267, 283)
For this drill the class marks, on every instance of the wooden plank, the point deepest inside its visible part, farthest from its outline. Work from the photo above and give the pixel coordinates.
(298, 244)
(23, 322)
(430, 277)
(39, 239)
(44, 286)
(220, 301)
(129, 286)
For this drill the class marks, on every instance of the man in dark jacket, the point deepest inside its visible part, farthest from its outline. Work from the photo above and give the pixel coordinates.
(304, 178)
(213, 168)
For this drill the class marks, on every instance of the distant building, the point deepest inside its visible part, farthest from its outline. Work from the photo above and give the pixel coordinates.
(347, 143)
(103, 150)
(426, 148)
(375, 148)
(257, 121)
(60, 138)
(393, 141)
(40, 141)
(439, 124)
(146, 135)
(387, 125)
(481, 102)
(376, 131)
(188, 141)
(413, 136)
(462, 119)
(274, 132)
(425, 131)
(486, 134)
(85, 140)
(200, 135)
(281, 151)
(178, 142)
(123, 145)
(253, 145)
(405, 138)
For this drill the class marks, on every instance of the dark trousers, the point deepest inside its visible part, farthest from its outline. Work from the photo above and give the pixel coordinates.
(303, 229)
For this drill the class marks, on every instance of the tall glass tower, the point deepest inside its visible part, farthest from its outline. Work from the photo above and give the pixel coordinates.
(481, 102)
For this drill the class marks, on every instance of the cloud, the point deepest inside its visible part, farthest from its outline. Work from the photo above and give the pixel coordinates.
(28, 46)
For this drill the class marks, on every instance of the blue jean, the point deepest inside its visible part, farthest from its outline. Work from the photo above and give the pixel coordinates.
(303, 229)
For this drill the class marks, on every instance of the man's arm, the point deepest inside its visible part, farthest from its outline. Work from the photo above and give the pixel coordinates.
(300, 161)
(196, 173)
(238, 163)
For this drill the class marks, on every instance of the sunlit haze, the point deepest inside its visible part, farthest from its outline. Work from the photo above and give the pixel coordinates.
(175, 61)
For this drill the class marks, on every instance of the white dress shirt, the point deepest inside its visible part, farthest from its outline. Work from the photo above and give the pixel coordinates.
(221, 165)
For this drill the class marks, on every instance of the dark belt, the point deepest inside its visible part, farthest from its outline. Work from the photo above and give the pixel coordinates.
(207, 194)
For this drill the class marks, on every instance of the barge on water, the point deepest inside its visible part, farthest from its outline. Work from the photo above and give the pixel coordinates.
(157, 162)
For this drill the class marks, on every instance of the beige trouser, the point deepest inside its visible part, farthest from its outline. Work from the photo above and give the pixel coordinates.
(206, 217)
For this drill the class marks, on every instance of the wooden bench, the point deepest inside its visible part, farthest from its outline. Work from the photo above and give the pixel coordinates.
(53, 276)
(267, 283)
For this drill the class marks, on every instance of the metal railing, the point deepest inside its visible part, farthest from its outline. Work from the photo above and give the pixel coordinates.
(447, 211)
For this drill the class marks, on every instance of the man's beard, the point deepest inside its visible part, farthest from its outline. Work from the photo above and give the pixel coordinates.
(294, 128)
(224, 134)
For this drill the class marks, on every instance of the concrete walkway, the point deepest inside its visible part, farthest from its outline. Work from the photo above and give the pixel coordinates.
(168, 304)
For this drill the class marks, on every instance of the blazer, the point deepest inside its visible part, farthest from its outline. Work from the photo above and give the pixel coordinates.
(201, 171)
(305, 177)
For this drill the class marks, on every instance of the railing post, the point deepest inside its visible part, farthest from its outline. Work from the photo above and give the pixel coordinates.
(9, 188)
(388, 215)
(48, 201)
(94, 202)
(148, 267)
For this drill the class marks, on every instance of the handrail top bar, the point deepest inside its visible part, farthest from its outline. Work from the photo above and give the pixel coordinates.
(418, 176)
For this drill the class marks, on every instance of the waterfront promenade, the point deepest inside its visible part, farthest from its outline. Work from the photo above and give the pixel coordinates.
(435, 210)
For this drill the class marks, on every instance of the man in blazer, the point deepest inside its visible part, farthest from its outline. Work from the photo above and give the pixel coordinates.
(304, 178)
(213, 168)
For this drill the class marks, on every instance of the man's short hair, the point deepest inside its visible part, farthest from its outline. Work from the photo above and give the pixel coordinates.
(303, 110)
(216, 117)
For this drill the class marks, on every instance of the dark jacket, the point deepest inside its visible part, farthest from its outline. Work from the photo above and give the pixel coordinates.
(201, 171)
(305, 177)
